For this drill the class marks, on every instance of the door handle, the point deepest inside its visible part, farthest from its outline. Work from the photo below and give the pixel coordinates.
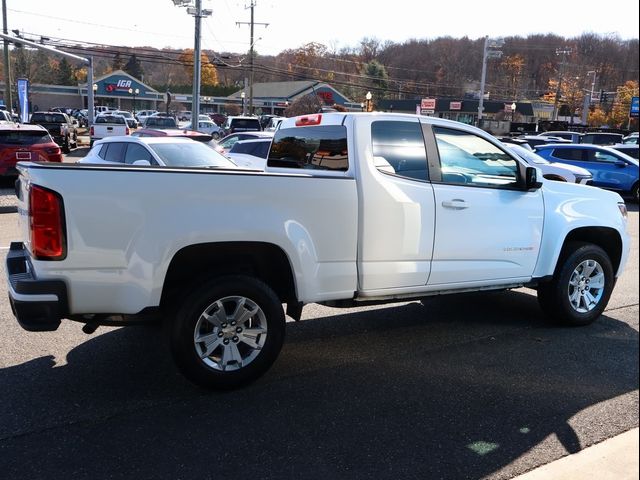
(455, 204)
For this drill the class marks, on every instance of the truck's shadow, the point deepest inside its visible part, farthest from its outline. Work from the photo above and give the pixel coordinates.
(455, 389)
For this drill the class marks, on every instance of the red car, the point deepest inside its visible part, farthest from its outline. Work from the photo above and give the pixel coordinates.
(19, 142)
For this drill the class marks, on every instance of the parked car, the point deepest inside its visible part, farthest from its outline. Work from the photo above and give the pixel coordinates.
(632, 138)
(218, 118)
(174, 133)
(602, 138)
(160, 121)
(60, 126)
(251, 153)
(535, 140)
(142, 115)
(227, 142)
(610, 168)
(128, 116)
(5, 117)
(628, 148)
(206, 126)
(553, 170)
(158, 151)
(273, 123)
(574, 137)
(19, 142)
(241, 124)
(184, 116)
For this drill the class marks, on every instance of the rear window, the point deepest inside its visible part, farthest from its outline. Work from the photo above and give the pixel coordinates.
(239, 124)
(48, 118)
(111, 119)
(317, 148)
(24, 138)
(257, 149)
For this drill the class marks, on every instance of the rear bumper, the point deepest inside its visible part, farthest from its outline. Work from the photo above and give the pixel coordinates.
(38, 305)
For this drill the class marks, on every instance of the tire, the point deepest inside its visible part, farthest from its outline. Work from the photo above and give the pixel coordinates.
(215, 136)
(581, 286)
(228, 332)
(66, 145)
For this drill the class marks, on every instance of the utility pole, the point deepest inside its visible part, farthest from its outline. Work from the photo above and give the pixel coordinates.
(251, 54)
(560, 51)
(7, 72)
(87, 61)
(490, 50)
(198, 13)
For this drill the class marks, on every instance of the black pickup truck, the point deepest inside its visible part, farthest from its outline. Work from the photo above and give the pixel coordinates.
(60, 126)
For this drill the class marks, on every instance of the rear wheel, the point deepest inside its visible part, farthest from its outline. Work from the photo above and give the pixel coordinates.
(581, 286)
(66, 145)
(228, 332)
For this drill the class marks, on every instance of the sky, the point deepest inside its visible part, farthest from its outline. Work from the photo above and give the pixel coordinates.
(293, 23)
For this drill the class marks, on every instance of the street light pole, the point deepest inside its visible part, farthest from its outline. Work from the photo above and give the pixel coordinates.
(7, 72)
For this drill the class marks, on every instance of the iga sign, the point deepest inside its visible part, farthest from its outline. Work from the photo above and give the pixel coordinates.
(428, 104)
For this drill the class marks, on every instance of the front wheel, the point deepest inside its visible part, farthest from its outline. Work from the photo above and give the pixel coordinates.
(581, 286)
(228, 332)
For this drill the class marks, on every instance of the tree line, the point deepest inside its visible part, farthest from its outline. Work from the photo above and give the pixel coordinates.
(525, 68)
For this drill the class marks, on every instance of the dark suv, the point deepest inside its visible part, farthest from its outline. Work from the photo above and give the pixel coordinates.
(60, 126)
(241, 124)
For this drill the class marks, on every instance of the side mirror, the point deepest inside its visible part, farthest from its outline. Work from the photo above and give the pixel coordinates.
(142, 163)
(531, 179)
(620, 164)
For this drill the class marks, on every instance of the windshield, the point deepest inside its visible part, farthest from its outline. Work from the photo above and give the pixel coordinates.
(528, 155)
(24, 137)
(191, 154)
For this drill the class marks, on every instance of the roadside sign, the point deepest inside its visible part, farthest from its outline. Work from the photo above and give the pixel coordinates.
(428, 104)
(633, 111)
(455, 105)
(426, 111)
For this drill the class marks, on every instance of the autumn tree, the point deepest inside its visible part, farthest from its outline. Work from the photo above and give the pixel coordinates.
(622, 104)
(306, 104)
(208, 71)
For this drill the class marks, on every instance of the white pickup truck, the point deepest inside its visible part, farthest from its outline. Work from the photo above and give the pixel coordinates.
(108, 124)
(352, 208)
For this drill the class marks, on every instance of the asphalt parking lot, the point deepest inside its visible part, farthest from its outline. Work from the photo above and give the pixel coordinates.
(460, 387)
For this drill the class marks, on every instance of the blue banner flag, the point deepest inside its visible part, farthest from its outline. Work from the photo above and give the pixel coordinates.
(23, 99)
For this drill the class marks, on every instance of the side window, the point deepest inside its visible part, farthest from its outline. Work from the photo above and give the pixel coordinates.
(137, 152)
(401, 145)
(595, 156)
(312, 147)
(114, 152)
(102, 151)
(574, 154)
(466, 158)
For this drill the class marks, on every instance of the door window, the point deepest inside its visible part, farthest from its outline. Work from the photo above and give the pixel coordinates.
(137, 152)
(574, 154)
(606, 157)
(401, 145)
(466, 158)
(114, 152)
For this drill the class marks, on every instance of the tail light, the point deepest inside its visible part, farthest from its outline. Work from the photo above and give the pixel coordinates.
(315, 119)
(127, 131)
(46, 221)
(91, 131)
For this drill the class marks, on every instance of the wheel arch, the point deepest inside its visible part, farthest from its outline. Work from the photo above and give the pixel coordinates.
(606, 238)
(196, 263)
